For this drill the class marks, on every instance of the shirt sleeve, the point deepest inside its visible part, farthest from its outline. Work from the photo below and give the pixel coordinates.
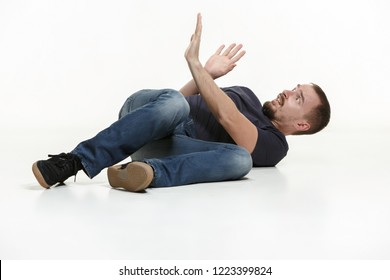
(270, 149)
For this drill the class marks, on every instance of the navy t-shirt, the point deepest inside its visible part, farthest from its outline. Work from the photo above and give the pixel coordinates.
(271, 146)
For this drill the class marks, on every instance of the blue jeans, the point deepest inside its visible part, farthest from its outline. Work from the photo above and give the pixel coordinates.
(154, 126)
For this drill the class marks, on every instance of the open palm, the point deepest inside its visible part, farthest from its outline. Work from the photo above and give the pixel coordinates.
(224, 61)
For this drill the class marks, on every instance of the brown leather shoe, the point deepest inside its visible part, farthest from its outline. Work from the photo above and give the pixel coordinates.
(132, 176)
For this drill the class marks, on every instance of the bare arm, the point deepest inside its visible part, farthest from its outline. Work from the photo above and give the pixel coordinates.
(218, 65)
(242, 131)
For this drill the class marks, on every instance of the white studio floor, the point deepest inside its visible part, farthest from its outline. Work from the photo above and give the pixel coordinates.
(329, 199)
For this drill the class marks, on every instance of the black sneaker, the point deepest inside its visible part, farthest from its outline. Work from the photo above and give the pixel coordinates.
(56, 169)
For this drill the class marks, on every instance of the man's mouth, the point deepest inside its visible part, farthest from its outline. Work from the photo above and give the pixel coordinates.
(280, 99)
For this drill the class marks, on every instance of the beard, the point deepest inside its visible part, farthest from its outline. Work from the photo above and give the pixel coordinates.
(268, 111)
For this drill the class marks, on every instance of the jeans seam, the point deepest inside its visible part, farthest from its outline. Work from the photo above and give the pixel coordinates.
(85, 165)
(155, 172)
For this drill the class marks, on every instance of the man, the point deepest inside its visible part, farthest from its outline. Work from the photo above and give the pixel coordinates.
(201, 134)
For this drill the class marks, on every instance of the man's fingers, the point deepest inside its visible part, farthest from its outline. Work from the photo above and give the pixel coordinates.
(229, 49)
(238, 56)
(218, 52)
(235, 51)
(198, 30)
(232, 50)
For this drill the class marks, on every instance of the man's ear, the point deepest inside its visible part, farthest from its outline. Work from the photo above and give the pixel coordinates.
(302, 125)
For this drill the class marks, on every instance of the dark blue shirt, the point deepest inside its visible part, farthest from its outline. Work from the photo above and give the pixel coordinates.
(271, 146)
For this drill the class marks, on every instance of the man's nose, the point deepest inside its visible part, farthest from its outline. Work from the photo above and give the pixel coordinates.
(288, 93)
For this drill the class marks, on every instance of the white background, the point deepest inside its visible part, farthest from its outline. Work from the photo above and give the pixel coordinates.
(67, 66)
(67, 62)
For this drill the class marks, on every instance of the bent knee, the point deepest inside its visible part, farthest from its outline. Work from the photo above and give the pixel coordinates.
(240, 161)
(178, 103)
(168, 99)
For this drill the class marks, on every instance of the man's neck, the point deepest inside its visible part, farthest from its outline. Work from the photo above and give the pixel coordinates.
(281, 128)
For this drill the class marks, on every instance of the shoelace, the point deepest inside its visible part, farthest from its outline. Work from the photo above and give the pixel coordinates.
(67, 161)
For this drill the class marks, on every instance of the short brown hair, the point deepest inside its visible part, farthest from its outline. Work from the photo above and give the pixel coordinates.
(319, 116)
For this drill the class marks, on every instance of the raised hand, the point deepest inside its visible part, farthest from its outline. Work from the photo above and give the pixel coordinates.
(219, 64)
(192, 51)
(224, 61)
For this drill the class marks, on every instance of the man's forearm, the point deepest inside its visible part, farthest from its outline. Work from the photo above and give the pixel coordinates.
(189, 88)
(221, 106)
(241, 129)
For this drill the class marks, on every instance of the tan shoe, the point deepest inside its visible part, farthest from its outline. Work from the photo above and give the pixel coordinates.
(132, 176)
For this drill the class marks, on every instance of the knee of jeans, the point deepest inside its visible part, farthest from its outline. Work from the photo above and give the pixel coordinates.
(241, 162)
(179, 103)
(126, 107)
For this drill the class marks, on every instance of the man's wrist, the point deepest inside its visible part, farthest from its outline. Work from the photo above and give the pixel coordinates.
(194, 63)
(211, 75)
(196, 67)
